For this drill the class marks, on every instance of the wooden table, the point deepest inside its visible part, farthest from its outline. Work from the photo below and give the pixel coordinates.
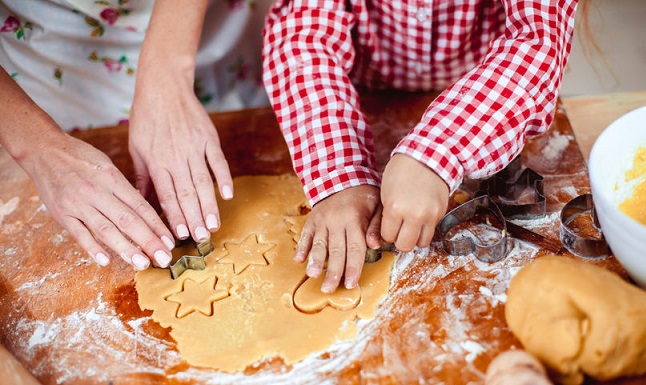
(69, 321)
(591, 114)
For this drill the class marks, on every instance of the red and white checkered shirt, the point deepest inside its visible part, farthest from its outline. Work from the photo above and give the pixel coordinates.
(499, 61)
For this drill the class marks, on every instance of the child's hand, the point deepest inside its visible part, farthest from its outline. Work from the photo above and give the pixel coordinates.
(336, 230)
(414, 200)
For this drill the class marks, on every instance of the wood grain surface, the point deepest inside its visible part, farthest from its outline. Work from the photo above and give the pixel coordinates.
(69, 321)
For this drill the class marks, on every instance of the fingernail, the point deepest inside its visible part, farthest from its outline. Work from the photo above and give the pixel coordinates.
(167, 241)
(101, 259)
(299, 256)
(212, 222)
(327, 287)
(312, 269)
(162, 258)
(140, 261)
(350, 283)
(202, 234)
(182, 231)
(227, 192)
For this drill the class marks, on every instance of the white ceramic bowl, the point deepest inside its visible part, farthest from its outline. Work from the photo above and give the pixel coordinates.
(612, 155)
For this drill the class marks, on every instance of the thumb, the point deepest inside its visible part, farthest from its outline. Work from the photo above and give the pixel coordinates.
(143, 183)
(373, 233)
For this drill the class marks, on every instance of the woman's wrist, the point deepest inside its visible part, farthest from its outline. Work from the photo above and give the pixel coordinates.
(32, 147)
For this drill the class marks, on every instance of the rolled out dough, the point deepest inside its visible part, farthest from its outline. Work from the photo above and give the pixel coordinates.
(578, 319)
(245, 305)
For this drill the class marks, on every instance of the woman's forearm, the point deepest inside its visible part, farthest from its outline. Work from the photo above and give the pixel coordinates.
(24, 127)
(172, 37)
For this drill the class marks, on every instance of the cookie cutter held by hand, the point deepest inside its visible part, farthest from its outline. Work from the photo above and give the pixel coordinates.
(484, 250)
(192, 262)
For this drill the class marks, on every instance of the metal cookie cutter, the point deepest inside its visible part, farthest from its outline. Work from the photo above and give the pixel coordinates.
(577, 235)
(373, 255)
(518, 192)
(191, 262)
(479, 210)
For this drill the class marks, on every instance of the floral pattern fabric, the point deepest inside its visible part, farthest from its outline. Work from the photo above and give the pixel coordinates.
(77, 59)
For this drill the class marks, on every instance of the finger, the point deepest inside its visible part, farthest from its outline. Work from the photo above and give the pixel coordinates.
(145, 211)
(109, 234)
(190, 205)
(356, 251)
(408, 236)
(373, 233)
(220, 168)
(85, 239)
(134, 227)
(390, 227)
(206, 194)
(169, 204)
(304, 243)
(318, 254)
(426, 236)
(143, 182)
(336, 261)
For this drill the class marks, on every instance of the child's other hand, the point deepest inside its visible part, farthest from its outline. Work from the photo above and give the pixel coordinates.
(336, 230)
(414, 200)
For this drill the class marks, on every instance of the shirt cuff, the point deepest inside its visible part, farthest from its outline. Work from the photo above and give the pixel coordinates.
(323, 186)
(435, 156)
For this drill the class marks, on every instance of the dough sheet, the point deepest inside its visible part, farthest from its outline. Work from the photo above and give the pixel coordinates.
(253, 301)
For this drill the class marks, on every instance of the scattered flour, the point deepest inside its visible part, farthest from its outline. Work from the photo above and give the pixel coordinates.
(556, 145)
(8, 207)
(121, 348)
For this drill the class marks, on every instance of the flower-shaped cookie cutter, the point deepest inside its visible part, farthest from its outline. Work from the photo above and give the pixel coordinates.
(576, 217)
(518, 192)
(191, 262)
(481, 210)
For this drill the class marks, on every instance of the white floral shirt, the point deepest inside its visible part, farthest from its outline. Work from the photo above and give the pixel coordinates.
(77, 59)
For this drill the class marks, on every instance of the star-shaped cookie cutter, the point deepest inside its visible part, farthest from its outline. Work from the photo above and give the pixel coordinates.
(518, 192)
(192, 262)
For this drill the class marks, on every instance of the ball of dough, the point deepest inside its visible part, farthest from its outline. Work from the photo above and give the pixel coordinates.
(516, 367)
(578, 319)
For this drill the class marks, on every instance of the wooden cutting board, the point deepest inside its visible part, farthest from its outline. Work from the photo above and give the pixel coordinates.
(69, 321)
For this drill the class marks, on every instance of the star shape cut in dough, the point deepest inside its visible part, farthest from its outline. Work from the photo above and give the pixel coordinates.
(198, 296)
(248, 252)
(296, 224)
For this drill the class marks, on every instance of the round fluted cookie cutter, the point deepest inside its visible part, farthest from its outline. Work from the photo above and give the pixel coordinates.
(576, 241)
(491, 251)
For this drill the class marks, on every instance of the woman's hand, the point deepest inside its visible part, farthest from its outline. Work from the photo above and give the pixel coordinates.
(414, 200)
(338, 230)
(89, 196)
(173, 143)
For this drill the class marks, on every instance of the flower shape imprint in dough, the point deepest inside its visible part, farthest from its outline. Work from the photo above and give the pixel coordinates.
(198, 296)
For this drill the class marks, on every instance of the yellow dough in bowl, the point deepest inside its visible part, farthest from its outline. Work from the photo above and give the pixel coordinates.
(635, 205)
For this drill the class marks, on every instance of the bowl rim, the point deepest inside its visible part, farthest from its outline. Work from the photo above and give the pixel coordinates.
(599, 193)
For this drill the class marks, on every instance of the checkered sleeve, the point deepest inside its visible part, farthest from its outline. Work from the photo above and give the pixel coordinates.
(307, 55)
(480, 123)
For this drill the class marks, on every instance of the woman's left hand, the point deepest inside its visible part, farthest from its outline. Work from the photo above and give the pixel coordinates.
(173, 143)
